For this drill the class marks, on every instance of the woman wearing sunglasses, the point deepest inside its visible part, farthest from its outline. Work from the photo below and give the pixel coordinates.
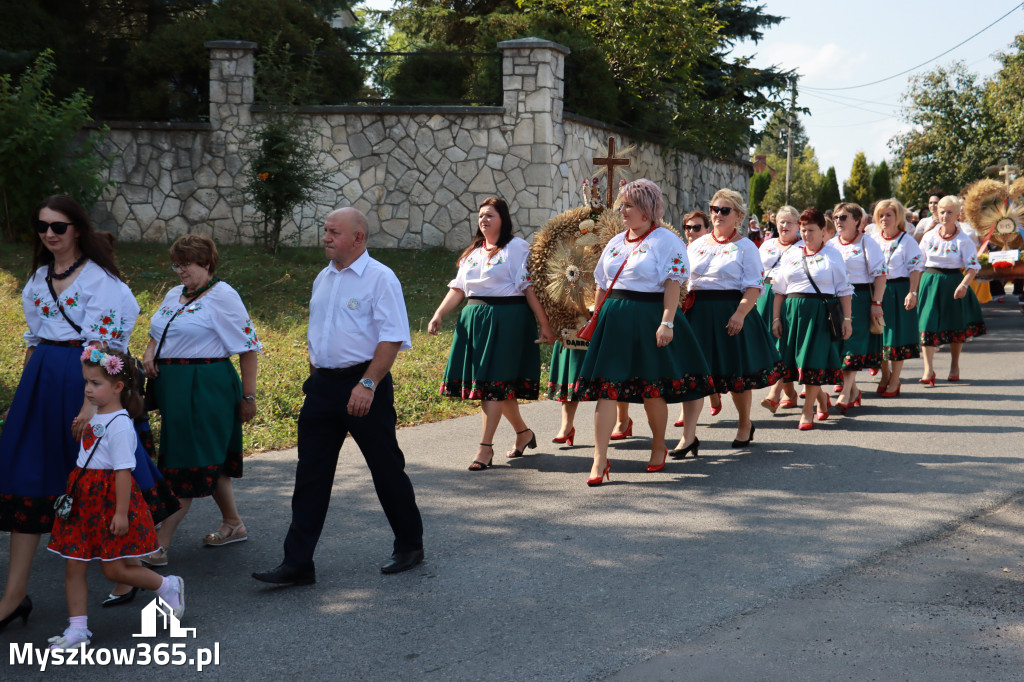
(804, 278)
(866, 268)
(74, 297)
(771, 252)
(726, 279)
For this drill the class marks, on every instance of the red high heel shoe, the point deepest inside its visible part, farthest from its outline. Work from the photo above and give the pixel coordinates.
(567, 438)
(805, 426)
(873, 371)
(843, 407)
(598, 480)
(787, 403)
(651, 468)
(715, 410)
(893, 394)
(822, 416)
(770, 405)
(930, 381)
(619, 435)
(838, 388)
(951, 377)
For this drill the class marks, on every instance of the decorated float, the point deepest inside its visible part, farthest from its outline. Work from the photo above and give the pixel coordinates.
(996, 209)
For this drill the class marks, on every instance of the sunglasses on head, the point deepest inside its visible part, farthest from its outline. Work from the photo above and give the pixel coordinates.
(58, 227)
(724, 210)
(694, 227)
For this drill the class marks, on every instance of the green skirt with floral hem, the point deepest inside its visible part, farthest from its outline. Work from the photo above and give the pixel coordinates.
(738, 363)
(808, 351)
(624, 362)
(565, 370)
(494, 355)
(900, 338)
(944, 319)
(863, 350)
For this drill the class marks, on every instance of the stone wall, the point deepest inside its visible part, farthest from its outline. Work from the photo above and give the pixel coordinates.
(418, 173)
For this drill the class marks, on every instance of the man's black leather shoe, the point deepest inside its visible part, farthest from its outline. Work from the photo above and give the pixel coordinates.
(287, 575)
(402, 561)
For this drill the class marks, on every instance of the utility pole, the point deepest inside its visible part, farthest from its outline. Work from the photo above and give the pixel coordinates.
(789, 141)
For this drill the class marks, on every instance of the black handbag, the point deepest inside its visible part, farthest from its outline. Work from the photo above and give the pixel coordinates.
(833, 308)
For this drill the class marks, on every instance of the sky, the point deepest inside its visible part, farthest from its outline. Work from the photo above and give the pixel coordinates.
(841, 44)
(837, 45)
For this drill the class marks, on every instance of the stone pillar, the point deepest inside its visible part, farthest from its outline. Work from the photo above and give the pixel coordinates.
(533, 79)
(232, 81)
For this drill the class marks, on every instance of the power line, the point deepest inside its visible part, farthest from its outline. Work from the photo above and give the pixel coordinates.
(847, 105)
(914, 68)
(854, 125)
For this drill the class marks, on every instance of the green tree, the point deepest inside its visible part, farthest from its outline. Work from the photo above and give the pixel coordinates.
(41, 149)
(773, 137)
(759, 184)
(881, 183)
(1005, 105)
(858, 188)
(804, 182)
(828, 190)
(949, 140)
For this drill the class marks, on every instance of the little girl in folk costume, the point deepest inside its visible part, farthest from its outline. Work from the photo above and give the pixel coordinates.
(108, 517)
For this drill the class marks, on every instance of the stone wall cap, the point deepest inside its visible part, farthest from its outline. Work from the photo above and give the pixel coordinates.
(533, 43)
(149, 125)
(385, 109)
(231, 44)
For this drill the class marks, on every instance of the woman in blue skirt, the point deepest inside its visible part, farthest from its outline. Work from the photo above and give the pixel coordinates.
(903, 264)
(73, 298)
(726, 280)
(494, 357)
(642, 350)
(949, 310)
(810, 354)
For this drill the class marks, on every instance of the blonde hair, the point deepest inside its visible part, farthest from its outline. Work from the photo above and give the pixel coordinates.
(950, 201)
(734, 198)
(788, 211)
(645, 196)
(897, 208)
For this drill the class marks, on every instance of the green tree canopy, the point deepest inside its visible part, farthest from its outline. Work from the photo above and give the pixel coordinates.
(759, 184)
(804, 182)
(828, 190)
(1004, 102)
(881, 183)
(774, 135)
(858, 187)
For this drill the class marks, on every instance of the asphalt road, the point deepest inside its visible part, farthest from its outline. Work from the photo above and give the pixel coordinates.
(872, 547)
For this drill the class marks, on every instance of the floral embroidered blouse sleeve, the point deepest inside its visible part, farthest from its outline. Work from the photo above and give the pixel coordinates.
(957, 252)
(94, 301)
(661, 256)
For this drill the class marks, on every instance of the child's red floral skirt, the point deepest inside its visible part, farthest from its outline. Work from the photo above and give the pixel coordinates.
(86, 535)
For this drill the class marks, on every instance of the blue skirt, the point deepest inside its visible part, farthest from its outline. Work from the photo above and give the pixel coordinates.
(38, 452)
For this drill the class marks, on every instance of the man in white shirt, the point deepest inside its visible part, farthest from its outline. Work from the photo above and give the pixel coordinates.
(357, 326)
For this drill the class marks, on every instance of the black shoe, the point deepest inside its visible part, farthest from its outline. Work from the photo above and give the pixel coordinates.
(25, 608)
(118, 599)
(402, 561)
(744, 443)
(287, 575)
(691, 449)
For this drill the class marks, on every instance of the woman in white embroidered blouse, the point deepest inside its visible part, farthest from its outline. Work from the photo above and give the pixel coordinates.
(903, 263)
(725, 282)
(949, 311)
(643, 349)
(494, 357)
(809, 353)
(866, 268)
(192, 336)
(771, 252)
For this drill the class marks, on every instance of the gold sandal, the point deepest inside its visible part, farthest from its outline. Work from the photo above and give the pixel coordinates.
(235, 534)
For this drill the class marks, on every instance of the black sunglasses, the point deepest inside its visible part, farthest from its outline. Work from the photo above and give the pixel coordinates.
(724, 210)
(58, 227)
(694, 227)
(841, 218)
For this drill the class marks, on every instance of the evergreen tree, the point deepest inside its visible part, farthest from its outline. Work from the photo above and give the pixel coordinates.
(828, 190)
(774, 135)
(759, 184)
(858, 188)
(803, 186)
(881, 185)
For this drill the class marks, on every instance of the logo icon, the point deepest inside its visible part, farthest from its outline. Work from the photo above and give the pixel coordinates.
(151, 615)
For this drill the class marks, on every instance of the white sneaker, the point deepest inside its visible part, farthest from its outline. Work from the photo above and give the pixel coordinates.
(71, 639)
(179, 591)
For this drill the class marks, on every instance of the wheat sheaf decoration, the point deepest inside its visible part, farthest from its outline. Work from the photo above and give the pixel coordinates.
(995, 211)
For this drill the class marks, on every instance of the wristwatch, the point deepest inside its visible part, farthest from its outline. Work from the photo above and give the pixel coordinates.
(249, 397)
(368, 383)
(670, 325)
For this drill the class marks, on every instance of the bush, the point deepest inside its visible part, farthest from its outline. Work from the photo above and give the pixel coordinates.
(42, 149)
(431, 76)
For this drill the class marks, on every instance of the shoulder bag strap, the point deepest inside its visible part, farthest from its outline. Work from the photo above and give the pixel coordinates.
(163, 336)
(56, 299)
(811, 279)
(893, 250)
(88, 459)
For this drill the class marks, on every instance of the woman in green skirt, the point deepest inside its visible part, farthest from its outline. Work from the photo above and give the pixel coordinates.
(903, 264)
(494, 357)
(866, 267)
(808, 351)
(642, 349)
(771, 252)
(726, 279)
(566, 363)
(949, 311)
(202, 403)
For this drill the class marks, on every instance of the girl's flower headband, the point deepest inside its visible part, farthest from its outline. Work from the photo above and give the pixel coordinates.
(110, 363)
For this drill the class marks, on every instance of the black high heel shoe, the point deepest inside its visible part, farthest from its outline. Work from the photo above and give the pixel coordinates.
(532, 444)
(118, 599)
(477, 465)
(24, 608)
(744, 443)
(681, 453)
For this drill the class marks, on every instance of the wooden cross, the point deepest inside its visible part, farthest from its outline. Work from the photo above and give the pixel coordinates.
(1004, 173)
(610, 162)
